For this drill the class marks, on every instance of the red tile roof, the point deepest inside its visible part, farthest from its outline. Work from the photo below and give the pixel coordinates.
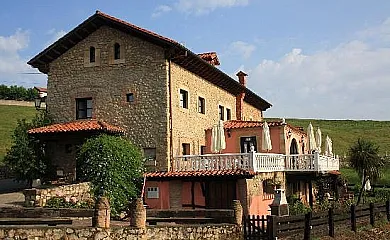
(41, 89)
(77, 126)
(201, 173)
(210, 57)
(248, 124)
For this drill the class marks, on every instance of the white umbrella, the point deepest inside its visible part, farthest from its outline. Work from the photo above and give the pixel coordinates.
(218, 142)
(266, 144)
(312, 140)
(328, 146)
(319, 139)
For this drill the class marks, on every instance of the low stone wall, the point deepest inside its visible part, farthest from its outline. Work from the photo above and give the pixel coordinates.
(39, 212)
(217, 231)
(36, 197)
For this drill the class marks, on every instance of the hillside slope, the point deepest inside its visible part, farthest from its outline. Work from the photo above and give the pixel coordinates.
(345, 132)
(9, 116)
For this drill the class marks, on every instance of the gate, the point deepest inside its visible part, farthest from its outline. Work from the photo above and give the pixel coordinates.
(255, 227)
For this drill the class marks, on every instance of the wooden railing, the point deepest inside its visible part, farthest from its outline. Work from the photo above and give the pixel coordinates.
(258, 162)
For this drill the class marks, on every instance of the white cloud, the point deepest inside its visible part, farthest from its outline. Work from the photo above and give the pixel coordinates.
(198, 7)
(13, 67)
(350, 81)
(55, 35)
(160, 10)
(242, 49)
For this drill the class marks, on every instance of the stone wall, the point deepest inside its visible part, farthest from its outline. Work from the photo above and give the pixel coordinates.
(217, 231)
(251, 113)
(38, 197)
(142, 71)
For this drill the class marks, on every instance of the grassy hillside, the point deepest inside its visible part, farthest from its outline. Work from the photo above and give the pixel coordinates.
(345, 132)
(8, 119)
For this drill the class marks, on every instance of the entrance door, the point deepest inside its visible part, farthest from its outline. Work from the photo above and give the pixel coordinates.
(220, 194)
(294, 147)
(247, 143)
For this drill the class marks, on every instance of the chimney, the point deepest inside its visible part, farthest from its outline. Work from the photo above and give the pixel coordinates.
(240, 97)
(242, 78)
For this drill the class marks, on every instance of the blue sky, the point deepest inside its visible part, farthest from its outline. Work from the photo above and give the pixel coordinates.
(310, 59)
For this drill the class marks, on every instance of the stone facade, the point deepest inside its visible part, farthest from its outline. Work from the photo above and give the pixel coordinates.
(182, 118)
(141, 71)
(217, 231)
(39, 197)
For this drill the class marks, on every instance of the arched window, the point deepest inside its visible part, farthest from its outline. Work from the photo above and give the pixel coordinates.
(92, 54)
(117, 51)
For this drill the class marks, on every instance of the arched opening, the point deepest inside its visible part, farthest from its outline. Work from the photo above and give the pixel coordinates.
(294, 147)
(92, 54)
(117, 51)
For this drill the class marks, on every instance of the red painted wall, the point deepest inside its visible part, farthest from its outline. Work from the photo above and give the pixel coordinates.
(163, 201)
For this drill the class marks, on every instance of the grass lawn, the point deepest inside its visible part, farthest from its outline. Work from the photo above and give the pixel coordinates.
(345, 132)
(8, 120)
(353, 178)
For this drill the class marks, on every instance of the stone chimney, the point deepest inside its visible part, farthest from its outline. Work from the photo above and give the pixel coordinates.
(240, 97)
(242, 78)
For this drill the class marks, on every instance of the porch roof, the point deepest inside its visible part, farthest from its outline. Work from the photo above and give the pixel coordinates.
(77, 126)
(237, 173)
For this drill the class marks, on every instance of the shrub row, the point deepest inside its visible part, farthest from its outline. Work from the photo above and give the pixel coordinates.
(17, 93)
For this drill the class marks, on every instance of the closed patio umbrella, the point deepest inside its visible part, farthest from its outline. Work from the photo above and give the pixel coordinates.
(319, 139)
(311, 138)
(266, 144)
(328, 146)
(218, 142)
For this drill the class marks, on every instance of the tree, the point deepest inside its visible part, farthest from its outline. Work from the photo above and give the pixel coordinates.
(364, 158)
(114, 167)
(27, 158)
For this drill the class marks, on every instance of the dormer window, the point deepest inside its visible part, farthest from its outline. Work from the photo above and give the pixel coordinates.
(117, 51)
(92, 54)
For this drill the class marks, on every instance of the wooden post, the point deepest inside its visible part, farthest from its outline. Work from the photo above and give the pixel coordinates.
(311, 193)
(388, 210)
(272, 227)
(193, 194)
(249, 225)
(245, 219)
(331, 222)
(353, 217)
(372, 214)
(307, 226)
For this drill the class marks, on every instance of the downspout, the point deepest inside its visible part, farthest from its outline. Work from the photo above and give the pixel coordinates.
(170, 115)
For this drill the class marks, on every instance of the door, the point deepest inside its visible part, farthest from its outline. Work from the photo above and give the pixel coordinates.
(248, 142)
(220, 194)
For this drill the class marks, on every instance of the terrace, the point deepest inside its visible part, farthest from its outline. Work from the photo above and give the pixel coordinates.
(257, 162)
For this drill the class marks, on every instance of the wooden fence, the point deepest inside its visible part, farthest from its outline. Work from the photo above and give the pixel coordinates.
(321, 223)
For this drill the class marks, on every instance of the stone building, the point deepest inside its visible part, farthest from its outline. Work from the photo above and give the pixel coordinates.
(151, 86)
(107, 75)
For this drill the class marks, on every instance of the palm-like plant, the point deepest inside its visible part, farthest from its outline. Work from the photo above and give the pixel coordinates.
(364, 158)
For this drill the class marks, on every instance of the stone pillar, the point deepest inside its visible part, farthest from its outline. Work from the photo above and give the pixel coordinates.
(138, 216)
(237, 212)
(101, 216)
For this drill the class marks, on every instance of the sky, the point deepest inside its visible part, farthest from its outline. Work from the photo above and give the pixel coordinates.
(308, 58)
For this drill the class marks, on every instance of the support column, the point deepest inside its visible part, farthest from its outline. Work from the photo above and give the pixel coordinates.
(101, 216)
(138, 217)
(238, 212)
(311, 194)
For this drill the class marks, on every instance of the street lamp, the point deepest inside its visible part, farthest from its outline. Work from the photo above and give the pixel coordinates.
(38, 103)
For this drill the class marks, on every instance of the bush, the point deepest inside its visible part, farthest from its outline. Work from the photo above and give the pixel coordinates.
(114, 167)
(17, 93)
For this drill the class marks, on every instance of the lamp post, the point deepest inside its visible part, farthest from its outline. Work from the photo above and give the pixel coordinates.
(38, 103)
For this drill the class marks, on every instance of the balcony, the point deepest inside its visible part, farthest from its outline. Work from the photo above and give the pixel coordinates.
(257, 162)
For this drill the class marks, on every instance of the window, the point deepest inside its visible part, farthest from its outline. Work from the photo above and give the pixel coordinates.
(92, 55)
(183, 98)
(84, 108)
(221, 112)
(117, 51)
(130, 97)
(201, 105)
(150, 153)
(152, 192)
(186, 148)
(202, 150)
(228, 114)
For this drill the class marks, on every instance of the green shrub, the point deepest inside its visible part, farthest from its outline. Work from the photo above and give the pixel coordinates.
(64, 202)
(114, 167)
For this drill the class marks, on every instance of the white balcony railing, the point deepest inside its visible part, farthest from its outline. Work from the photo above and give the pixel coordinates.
(258, 162)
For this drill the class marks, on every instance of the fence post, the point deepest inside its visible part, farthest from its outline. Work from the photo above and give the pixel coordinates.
(331, 222)
(353, 217)
(372, 214)
(245, 226)
(307, 226)
(272, 227)
(388, 210)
